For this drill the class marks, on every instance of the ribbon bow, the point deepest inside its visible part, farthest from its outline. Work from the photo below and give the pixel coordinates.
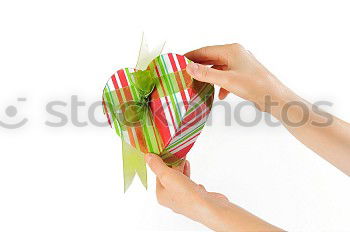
(131, 113)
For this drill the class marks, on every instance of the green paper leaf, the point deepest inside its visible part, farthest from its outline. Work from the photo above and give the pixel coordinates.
(144, 82)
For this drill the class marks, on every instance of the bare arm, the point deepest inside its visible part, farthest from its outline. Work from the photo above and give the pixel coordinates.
(178, 192)
(237, 71)
(325, 134)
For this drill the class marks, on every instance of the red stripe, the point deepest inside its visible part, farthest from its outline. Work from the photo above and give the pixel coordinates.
(160, 143)
(184, 129)
(187, 125)
(184, 100)
(106, 111)
(166, 99)
(114, 82)
(184, 151)
(122, 78)
(141, 139)
(160, 120)
(198, 111)
(191, 140)
(182, 92)
(120, 99)
(182, 61)
(171, 114)
(128, 97)
(172, 61)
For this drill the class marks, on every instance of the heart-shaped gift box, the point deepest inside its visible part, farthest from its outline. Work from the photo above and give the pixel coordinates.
(160, 110)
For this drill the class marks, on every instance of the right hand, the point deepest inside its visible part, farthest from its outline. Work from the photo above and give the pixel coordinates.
(235, 70)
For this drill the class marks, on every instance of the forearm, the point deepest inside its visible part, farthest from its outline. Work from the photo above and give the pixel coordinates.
(229, 217)
(325, 134)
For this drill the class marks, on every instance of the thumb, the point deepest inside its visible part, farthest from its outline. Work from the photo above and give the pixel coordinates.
(206, 74)
(157, 165)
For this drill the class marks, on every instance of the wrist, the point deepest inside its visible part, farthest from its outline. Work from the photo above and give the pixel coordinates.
(213, 213)
(275, 100)
(204, 211)
(230, 217)
(288, 107)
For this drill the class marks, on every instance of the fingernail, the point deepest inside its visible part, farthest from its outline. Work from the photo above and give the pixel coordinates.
(193, 69)
(147, 157)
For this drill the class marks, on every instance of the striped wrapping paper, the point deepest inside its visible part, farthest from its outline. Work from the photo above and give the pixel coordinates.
(178, 109)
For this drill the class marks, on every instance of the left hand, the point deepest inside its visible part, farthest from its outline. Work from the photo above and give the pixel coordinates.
(175, 190)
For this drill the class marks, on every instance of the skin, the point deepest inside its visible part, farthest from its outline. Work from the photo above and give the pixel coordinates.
(237, 71)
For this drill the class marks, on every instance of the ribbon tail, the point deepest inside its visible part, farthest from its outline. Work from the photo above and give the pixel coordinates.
(133, 162)
(141, 169)
(146, 55)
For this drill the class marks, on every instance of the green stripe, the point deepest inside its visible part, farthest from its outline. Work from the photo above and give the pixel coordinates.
(182, 79)
(133, 90)
(135, 95)
(111, 112)
(168, 89)
(194, 131)
(172, 85)
(147, 125)
(204, 94)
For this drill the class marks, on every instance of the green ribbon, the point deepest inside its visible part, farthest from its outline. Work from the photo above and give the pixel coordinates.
(133, 162)
(132, 113)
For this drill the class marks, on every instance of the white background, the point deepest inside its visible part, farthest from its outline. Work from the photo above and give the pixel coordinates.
(70, 178)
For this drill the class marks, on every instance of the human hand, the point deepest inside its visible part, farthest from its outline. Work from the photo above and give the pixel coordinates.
(235, 70)
(176, 191)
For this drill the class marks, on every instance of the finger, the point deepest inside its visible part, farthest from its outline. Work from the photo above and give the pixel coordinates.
(181, 167)
(158, 167)
(220, 67)
(250, 53)
(187, 169)
(210, 62)
(223, 93)
(214, 54)
(201, 187)
(160, 193)
(159, 186)
(205, 74)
